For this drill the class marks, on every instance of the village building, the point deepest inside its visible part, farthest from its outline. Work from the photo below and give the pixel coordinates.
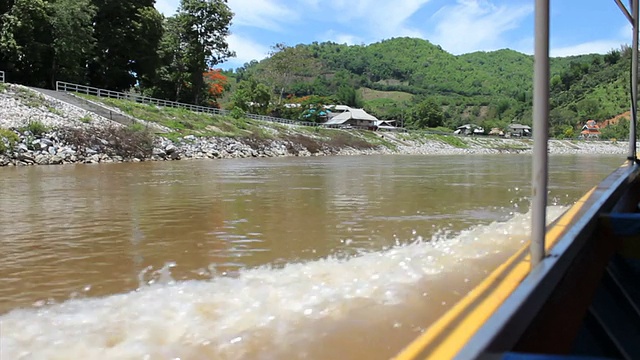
(352, 118)
(519, 130)
(590, 130)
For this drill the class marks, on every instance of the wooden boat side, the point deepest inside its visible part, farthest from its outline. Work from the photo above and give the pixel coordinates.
(541, 310)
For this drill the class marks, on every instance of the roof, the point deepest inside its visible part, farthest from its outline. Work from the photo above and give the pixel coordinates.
(357, 114)
(519, 126)
(338, 107)
(384, 122)
(591, 125)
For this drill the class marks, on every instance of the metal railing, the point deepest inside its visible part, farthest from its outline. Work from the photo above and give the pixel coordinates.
(1, 76)
(88, 90)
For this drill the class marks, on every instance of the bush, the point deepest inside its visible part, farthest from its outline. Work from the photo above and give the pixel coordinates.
(237, 113)
(128, 142)
(36, 127)
(8, 140)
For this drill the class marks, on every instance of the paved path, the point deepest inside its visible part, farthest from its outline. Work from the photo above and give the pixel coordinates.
(87, 105)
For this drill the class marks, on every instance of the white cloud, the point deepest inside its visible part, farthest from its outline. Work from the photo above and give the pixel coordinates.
(167, 7)
(341, 38)
(472, 25)
(382, 18)
(246, 49)
(264, 14)
(591, 47)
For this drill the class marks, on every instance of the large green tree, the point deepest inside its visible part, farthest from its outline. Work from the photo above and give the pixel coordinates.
(205, 25)
(252, 96)
(287, 65)
(25, 39)
(194, 40)
(73, 42)
(426, 114)
(127, 33)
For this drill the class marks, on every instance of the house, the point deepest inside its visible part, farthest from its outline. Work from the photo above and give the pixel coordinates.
(386, 125)
(590, 130)
(496, 132)
(519, 130)
(469, 129)
(352, 117)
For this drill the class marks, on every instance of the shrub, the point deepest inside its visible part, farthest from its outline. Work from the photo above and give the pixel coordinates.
(237, 113)
(36, 127)
(128, 142)
(8, 140)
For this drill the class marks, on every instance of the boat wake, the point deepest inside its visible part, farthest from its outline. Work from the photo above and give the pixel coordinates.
(315, 309)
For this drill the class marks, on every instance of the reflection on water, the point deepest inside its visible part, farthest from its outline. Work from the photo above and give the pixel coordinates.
(313, 256)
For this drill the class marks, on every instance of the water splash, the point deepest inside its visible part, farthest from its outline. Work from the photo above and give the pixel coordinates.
(298, 310)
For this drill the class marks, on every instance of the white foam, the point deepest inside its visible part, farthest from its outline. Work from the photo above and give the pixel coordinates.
(259, 309)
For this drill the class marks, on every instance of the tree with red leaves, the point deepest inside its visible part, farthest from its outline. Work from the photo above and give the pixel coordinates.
(215, 84)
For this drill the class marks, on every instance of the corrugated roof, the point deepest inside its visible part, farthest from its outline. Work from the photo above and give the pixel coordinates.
(357, 114)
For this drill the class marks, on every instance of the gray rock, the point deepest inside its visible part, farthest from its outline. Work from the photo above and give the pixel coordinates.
(26, 159)
(170, 149)
(42, 159)
(56, 160)
(53, 150)
(46, 142)
(158, 152)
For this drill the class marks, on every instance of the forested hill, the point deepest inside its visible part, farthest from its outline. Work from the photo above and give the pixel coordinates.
(392, 77)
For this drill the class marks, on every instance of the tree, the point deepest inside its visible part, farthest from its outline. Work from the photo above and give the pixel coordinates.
(127, 33)
(73, 41)
(215, 83)
(25, 39)
(612, 57)
(171, 79)
(205, 27)
(288, 64)
(426, 114)
(252, 96)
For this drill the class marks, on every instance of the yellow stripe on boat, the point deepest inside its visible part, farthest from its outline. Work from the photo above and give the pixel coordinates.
(449, 334)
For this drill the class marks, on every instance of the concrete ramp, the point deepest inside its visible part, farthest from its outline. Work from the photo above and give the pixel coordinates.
(88, 106)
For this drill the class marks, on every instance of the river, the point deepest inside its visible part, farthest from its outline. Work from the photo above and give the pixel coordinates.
(318, 258)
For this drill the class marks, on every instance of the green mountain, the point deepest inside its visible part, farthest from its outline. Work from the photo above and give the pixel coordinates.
(390, 78)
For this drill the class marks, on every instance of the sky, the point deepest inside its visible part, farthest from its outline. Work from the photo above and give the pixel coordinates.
(458, 26)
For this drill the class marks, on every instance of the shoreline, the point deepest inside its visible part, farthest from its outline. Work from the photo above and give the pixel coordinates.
(52, 148)
(36, 129)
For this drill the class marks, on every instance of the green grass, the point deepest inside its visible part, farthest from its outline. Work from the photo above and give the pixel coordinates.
(55, 111)
(398, 96)
(36, 127)
(377, 139)
(30, 98)
(449, 139)
(85, 119)
(8, 139)
(182, 122)
(3, 87)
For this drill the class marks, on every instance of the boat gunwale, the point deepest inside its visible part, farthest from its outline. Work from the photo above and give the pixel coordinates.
(510, 297)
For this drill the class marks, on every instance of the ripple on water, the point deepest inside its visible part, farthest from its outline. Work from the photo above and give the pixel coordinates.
(292, 311)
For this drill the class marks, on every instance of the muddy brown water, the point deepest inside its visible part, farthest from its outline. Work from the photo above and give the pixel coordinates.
(318, 258)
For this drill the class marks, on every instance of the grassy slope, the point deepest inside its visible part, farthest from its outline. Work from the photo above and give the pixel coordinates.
(184, 122)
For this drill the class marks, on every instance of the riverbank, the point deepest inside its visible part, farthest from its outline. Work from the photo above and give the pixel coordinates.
(36, 129)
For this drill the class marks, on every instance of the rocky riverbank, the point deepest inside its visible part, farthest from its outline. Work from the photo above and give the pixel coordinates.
(37, 129)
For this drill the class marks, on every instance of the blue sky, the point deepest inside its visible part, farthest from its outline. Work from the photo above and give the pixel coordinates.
(459, 26)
